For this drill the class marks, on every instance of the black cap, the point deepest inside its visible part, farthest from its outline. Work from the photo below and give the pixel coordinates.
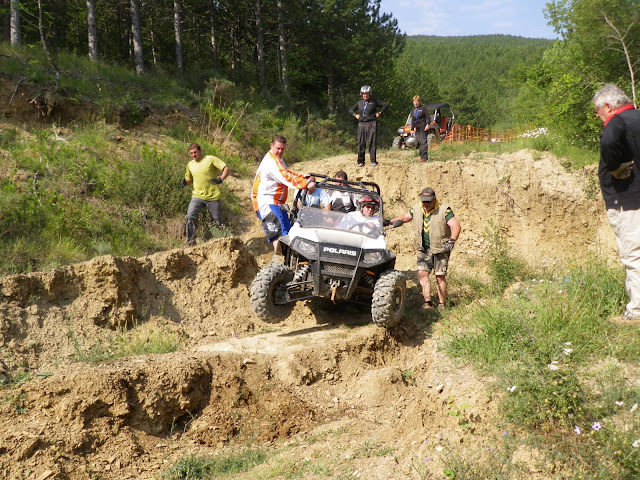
(427, 194)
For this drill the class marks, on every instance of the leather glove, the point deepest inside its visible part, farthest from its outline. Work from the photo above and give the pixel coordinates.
(183, 183)
(216, 181)
(397, 223)
(448, 244)
(386, 223)
(624, 171)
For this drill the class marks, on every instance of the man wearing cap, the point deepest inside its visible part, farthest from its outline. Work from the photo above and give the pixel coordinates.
(435, 232)
(369, 110)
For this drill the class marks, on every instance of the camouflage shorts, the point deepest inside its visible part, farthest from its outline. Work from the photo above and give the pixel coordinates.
(436, 263)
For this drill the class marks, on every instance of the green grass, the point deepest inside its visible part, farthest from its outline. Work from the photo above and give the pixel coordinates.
(205, 467)
(572, 157)
(126, 343)
(560, 366)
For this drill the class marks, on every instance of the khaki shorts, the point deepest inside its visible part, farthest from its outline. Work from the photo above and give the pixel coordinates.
(436, 263)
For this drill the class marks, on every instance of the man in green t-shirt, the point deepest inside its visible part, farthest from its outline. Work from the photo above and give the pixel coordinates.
(206, 173)
(435, 232)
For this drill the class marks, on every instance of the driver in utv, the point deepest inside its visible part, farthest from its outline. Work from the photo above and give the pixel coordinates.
(363, 219)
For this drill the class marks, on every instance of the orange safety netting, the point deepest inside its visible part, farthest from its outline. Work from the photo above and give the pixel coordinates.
(465, 133)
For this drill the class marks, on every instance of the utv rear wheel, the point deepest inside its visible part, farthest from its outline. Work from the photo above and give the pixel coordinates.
(432, 138)
(269, 293)
(389, 298)
(397, 143)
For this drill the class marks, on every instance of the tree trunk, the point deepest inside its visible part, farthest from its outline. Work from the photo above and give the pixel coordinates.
(15, 23)
(282, 45)
(260, 47)
(91, 29)
(137, 37)
(178, 33)
(235, 67)
(214, 45)
(45, 48)
(330, 91)
(624, 48)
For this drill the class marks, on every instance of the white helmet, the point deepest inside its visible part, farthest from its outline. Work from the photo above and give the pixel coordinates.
(365, 89)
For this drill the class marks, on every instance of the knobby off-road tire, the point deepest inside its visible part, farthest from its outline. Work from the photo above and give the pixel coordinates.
(432, 138)
(389, 298)
(397, 143)
(265, 292)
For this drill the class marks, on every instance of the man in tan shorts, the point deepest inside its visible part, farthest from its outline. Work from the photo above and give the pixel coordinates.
(436, 231)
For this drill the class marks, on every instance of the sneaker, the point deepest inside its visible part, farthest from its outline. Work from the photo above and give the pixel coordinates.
(441, 306)
(374, 164)
(360, 164)
(422, 160)
(625, 319)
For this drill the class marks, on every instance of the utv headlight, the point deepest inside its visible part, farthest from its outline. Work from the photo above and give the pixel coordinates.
(372, 257)
(306, 248)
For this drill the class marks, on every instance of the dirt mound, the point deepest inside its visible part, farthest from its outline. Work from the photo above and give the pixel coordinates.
(323, 388)
(47, 317)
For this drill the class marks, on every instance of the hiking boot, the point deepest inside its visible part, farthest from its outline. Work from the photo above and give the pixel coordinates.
(428, 305)
(625, 319)
(441, 306)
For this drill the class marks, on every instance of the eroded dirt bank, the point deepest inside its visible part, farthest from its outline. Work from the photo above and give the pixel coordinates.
(324, 386)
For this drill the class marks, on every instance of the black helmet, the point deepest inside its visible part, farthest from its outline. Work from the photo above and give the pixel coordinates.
(365, 89)
(370, 200)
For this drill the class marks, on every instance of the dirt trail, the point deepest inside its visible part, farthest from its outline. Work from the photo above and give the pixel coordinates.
(322, 388)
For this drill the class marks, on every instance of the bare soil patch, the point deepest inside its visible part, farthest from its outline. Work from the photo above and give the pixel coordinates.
(324, 387)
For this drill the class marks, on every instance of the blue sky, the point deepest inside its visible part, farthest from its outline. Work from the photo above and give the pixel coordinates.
(523, 18)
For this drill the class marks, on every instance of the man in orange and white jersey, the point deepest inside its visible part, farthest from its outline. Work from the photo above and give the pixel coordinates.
(271, 188)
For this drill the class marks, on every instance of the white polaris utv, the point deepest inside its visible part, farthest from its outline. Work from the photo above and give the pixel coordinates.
(335, 255)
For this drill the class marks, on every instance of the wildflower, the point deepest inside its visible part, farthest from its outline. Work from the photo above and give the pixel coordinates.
(566, 280)
(636, 444)
(553, 366)
(633, 409)
(619, 403)
(577, 430)
(567, 343)
(427, 459)
(511, 389)
(567, 351)
(596, 426)
(581, 283)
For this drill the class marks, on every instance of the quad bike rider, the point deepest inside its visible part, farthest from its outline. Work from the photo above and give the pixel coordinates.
(337, 256)
(439, 127)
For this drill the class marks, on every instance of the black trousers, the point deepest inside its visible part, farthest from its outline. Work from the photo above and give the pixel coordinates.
(423, 144)
(367, 133)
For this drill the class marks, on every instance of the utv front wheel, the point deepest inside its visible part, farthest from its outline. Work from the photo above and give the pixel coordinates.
(397, 143)
(269, 293)
(389, 298)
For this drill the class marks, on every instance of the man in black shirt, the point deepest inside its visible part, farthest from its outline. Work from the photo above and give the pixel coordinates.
(369, 110)
(619, 176)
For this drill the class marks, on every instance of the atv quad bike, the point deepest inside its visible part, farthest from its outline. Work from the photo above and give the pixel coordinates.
(439, 127)
(334, 255)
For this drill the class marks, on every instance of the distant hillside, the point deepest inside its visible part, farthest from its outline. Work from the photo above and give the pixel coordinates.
(472, 73)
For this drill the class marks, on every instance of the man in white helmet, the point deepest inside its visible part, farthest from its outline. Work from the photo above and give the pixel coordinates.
(367, 110)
